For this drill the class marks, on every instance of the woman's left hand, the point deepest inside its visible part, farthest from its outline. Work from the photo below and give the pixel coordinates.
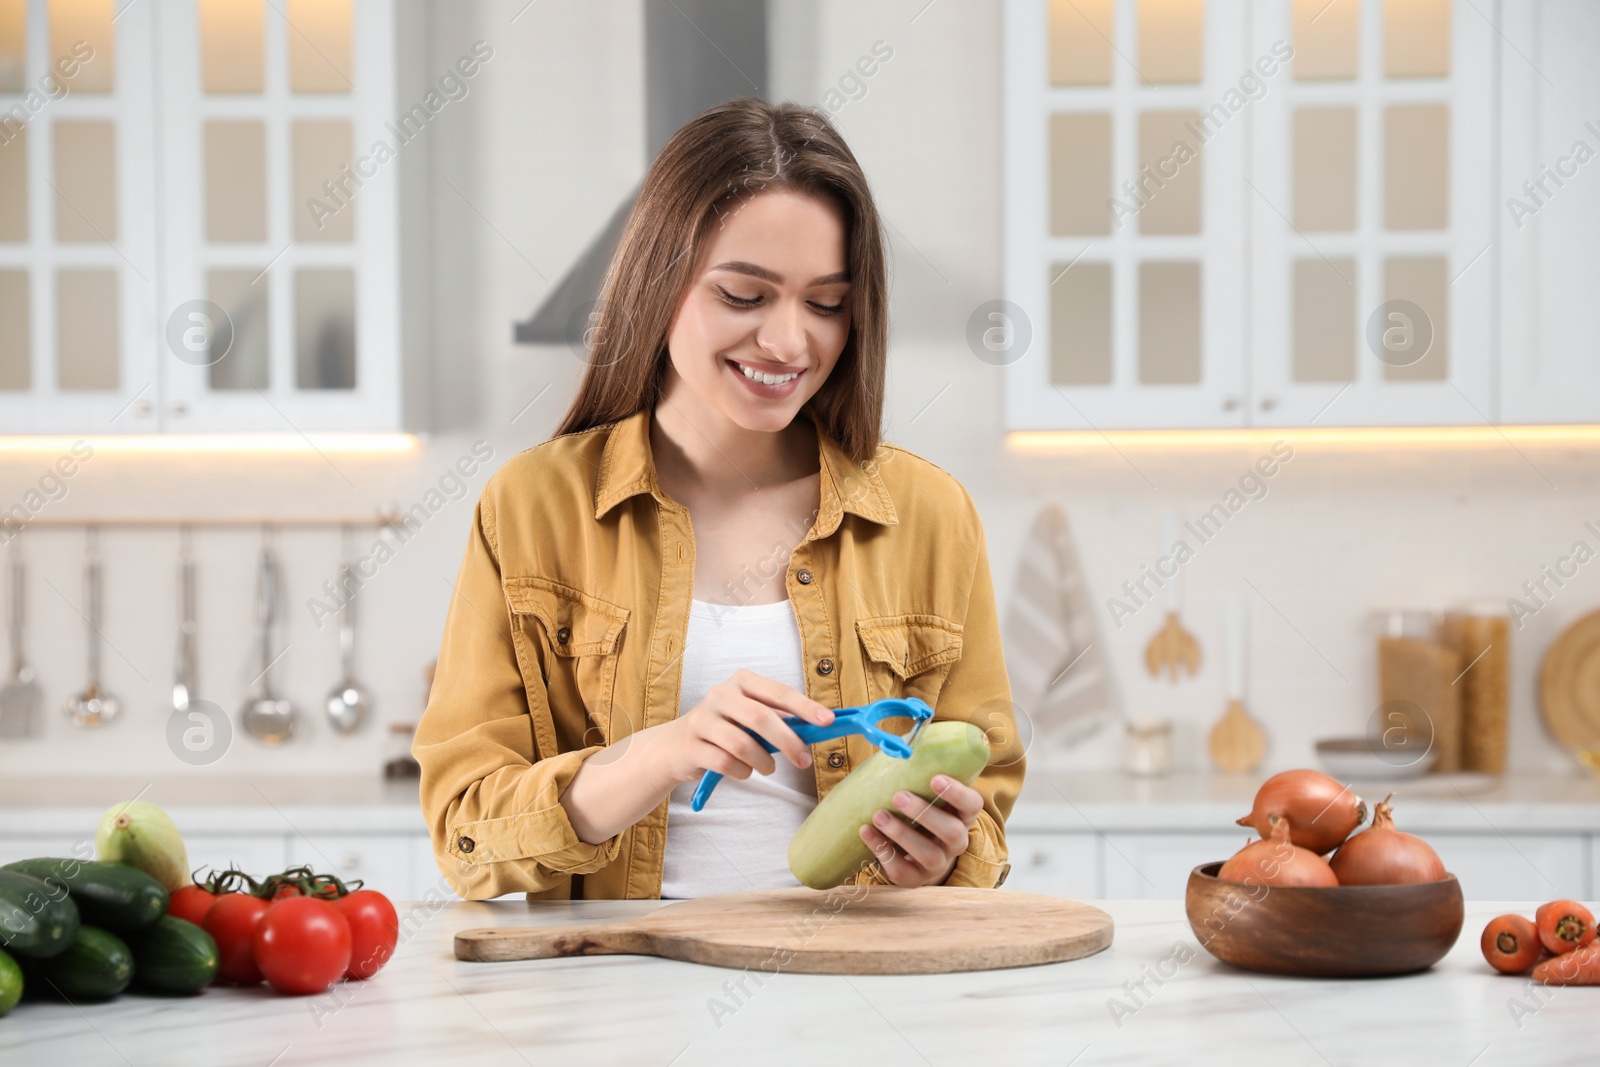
(924, 850)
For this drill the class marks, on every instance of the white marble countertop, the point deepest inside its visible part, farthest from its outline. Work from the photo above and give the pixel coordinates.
(1051, 802)
(427, 1007)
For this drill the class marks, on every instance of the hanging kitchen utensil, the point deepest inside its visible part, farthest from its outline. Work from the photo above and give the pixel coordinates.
(20, 698)
(266, 717)
(349, 702)
(1173, 646)
(94, 706)
(1237, 741)
(184, 673)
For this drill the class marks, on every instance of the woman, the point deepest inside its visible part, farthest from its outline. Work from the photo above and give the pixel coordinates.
(686, 558)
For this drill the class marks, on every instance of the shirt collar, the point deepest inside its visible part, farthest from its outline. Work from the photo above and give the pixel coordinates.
(627, 468)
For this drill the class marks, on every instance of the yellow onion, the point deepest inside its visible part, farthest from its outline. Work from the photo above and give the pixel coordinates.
(1321, 812)
(1277, 861)
(1382, 855)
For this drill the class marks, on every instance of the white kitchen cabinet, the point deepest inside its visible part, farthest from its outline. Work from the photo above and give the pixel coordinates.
(257, 855)
(1549, 214)
(1344, 214)
(1157, 866)
(1322, 271)
(1058, 865)
(1517, 866)
(207, 228)
(381, 861)
(31, 846)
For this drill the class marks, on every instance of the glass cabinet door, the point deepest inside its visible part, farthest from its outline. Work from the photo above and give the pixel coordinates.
(278, 125)
(1124, 219)
(1372, 281)
(78, 256)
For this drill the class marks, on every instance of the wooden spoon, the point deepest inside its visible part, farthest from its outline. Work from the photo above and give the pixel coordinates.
(1237, 741)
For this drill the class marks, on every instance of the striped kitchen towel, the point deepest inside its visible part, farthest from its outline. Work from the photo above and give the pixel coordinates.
(1052, 645)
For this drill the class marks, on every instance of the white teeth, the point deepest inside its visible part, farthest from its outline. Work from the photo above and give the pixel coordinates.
(766, 379)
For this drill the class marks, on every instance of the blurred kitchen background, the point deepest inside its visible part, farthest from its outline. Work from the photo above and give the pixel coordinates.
(1311, 286)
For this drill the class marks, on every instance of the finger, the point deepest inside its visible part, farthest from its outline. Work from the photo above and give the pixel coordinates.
(896, 867)
(966, 800)
(786, 699)
(727, 735)
(766, 722)
(928, 852)
(947, 826)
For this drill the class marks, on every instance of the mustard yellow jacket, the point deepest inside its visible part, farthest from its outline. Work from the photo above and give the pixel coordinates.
(565, 633)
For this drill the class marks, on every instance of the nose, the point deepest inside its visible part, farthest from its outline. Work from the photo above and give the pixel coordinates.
(782, 333)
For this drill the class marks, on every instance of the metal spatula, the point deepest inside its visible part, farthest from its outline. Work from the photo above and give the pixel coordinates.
(20, 699)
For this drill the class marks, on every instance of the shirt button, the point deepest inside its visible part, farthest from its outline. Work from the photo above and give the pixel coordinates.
(803, 576)
(836, 759)
(824, 666)
(562, 634)
(467, 844)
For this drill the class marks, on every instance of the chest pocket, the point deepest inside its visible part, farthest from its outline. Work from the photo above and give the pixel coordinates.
(572, 641)
(908, 655)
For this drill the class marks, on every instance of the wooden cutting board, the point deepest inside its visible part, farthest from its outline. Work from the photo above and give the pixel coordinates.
(1569, 689)
(847, 930)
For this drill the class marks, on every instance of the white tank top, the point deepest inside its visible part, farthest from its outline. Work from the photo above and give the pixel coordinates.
(739, 841)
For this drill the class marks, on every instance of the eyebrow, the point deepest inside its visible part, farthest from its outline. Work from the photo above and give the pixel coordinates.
(741, 267)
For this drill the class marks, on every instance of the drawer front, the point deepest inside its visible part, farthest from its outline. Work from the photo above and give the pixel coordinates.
(258, 855)
(1525, 867)
(1057, 865)
(1157, 866)
(381, 861)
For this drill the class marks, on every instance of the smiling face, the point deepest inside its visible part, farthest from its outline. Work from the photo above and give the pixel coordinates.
(769, 297)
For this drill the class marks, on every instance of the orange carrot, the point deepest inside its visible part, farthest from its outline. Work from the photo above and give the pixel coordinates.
(1578, 967)
(1564, 925)
(1511, 944)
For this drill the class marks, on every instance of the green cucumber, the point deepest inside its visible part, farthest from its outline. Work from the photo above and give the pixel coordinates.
(174, 956)
(97, 965)
(109, 895)
(36, 919)
(827, 849)
(10, 983)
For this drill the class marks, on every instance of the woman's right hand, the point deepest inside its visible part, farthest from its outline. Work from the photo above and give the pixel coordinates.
(710, 735)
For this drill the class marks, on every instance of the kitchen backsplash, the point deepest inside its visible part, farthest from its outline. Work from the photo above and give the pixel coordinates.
(1329, 536)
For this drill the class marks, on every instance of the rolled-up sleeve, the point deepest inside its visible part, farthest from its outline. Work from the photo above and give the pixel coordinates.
(491, 800)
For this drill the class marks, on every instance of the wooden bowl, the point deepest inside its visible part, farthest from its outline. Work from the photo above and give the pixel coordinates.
(1354, 931)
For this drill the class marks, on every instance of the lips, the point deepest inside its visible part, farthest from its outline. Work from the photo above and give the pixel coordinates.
(761, 389)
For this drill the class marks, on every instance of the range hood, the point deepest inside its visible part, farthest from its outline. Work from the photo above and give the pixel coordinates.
(697, 53)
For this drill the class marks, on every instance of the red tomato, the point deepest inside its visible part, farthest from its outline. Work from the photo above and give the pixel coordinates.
(286, 890)
(302, 945)
(231, 922)
(374, 930)
(191, 903)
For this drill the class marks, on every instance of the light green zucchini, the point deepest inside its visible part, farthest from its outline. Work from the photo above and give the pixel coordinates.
(827, 849)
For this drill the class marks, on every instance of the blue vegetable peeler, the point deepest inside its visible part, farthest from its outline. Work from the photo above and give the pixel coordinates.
(862, 720)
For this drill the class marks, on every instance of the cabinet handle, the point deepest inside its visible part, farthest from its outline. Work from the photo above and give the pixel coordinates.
(1040, 859)
(143, 409)
(350, 861)
(1229, 403)
(180, 409)
(1268, 403)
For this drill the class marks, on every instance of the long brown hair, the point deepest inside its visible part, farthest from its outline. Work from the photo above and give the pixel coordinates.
(728, 153)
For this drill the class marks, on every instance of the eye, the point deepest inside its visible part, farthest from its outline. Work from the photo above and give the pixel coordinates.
(828, 309)
(738, 301)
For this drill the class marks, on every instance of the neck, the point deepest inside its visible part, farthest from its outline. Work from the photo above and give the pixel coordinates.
(705, 451)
